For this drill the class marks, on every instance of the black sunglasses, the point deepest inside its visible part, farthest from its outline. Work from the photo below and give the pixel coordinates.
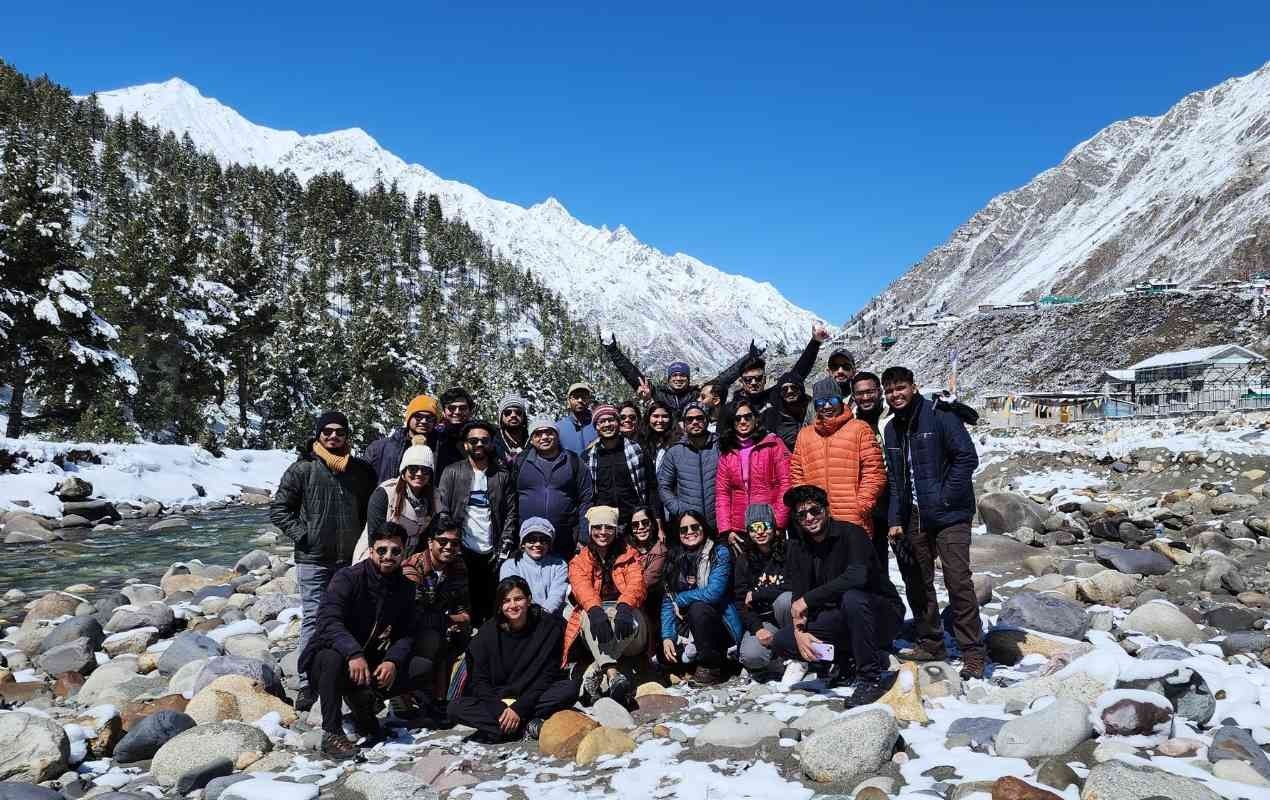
(814, 511)
(415, 469)
(388, 551)
(753, 379)
(744, 417)
(343, 432)
(507, 412)
(448, 543)
(640, 524)
(478, 440)
(694, 419)
(692, 527)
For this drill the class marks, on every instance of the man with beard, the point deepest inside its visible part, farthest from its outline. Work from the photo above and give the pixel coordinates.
(574, 428)
(787, 417)
(754, 387)
(622, 474)
(458, 406)
(553, 483)
(513, 436)
(384, 454)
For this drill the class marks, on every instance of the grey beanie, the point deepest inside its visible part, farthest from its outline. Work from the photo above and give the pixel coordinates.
(541, 421)
(510, 401)
(824, 389)
(760, 512)
(537, 525)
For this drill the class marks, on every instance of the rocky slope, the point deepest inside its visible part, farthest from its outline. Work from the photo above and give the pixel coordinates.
(663, 306)
(1182, 196)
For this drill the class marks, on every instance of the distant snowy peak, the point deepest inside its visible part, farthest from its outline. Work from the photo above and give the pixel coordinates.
(1184, 196)
(662, 306)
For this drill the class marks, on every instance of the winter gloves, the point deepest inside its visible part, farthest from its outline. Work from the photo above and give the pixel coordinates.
(624, 622)
(601, 630)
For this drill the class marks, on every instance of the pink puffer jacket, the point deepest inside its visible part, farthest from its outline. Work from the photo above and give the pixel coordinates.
(769, 479)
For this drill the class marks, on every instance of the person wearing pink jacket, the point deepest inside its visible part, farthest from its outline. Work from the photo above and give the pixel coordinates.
(753, 468)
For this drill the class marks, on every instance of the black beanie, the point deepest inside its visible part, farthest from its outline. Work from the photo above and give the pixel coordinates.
(327, 418)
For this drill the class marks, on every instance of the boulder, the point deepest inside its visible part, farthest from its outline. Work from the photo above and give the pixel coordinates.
(1146, 717)
(256, 559)
(563, 732)
(132, 642)
(32, 748)
(1164, 620)
(16, 790)
(1047, 613)
(139, 593)
(146, 615)
(74, 656)
(1133, 562)
(1006, 512)
(1232, 501)
(117, 683)
(184, 582)
(170, 524)
(73, 488)
(1122, 780)
(137, 710)
(1052, 731)
(1106, 588)
(71, 629)
(739, 730)
(236, 697)
(1230, 742)
(253, 668)
(204, 745)
(977, 731)
(386, 786)
(904, 698)
(602, 741)
(852, 747)
(150, 733)
(1010, 645)
(50, 606)
(1012, 788)
(91, 509)
(186, 647)
(1184, 688)
(611, 714)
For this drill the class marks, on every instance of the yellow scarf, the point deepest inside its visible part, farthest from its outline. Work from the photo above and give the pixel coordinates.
(336, 463)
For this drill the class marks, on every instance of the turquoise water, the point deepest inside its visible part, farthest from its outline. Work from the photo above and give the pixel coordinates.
(107, 559)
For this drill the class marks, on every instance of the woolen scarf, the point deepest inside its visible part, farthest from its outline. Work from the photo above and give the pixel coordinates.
(336, 463)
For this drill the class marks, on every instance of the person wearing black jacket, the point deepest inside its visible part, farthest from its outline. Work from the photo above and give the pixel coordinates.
(457, 408)
(516, 657)
(754, 389)
(788, 416)
(678, 390)
(363, 642)
(321, 505)
(842, 597)
(760, 590)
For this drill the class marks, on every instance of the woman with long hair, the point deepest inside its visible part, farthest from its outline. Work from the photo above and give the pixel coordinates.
(760, 590)
(660, 431)
(408, 500)
(514, 658)
(607, 580)
(628, 421)
(698, 620)
(645, 539)
(753, 468)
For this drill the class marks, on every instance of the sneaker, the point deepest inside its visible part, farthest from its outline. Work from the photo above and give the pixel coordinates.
(973, 665)
(795, 671)
(868, 690)
(593, 683)
(708, 676)
(306, 699)
(533, 728)
(337, 745)
(619, 688)
(923, 652)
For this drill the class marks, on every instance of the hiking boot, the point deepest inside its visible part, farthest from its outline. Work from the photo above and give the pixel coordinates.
(708, 676)
(306, 699)
(923, 652)
(973, 665)
(337, 745)
(865, 690)
(593, 683)
(619, 688)
(533, 728)
(365, 707)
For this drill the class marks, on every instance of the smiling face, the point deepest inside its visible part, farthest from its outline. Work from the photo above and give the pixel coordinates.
(829, 407)
(867, 394)
(899, 394)
(745, 422)
(334, 438)
(678, 382)
(458, 412)
(546, 441)
(628, 422)
(841, 369)
(691, 532)
(513, 418)
(536, 545)
(602, 536)
(753, 380)
(760, 534)
(421, 422)
(385, 554)
(607, 426)
(642, 528)
(417, 478)
(659, 420)
(579, 401)
(514, 607)
(695, 423)
(477, 444)
(810, 516)
(446, 547)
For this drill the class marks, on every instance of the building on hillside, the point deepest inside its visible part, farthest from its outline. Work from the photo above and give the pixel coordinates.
(1117, 383)
(1206, 379)
(1058, 299)
(1025, 409)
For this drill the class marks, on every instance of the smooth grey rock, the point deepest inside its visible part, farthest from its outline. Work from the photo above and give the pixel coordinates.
(1006, 512)
(91, 509)
(815, 718)
(1237, 743)
(1163, 652)
(32, 748)
(201, 775)
(610, 713)
(74, 656)
(389, 786)
(202, 746)
(739, 730)
(979, 730)
(216, 786)
(1164, 620)
(253, 668)
(70, 630)
(139, 593)
(256, 559)
(1047, 613)
(186, 647)
(1053, 730)
(1133, 562)
(73, 487)
(14, 790)
(852, 747)
(1244, 642)
(170, 524)
(1120, 780)
(154, 615)
(152, 732)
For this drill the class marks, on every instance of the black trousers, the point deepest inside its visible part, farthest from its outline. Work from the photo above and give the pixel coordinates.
(482, 713)
(704, 623)
(482, 578)
(329, 673)
(861, 628)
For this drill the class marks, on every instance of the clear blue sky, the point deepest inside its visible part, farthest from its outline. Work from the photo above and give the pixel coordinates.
(822, 147)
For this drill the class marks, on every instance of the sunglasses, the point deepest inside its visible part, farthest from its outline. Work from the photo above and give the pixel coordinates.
(478, 441)
(692, 527)
(424, 416)
(641, 524)
(753, 379)
(536, 541)
(790, 388)
(457, 408)
(509, 412)
(415, 470)
(628, 418)
(814, 511)
(447, 543)
(695, 419)
(341, 432)
(760, 527)
(745, 417)
(828, 403)
(840, 367)
(388, 551)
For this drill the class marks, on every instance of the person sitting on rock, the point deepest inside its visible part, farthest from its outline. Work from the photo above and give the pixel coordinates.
(515, 680)
(845, 609)
(546, 573)
(608, 591)
(645, 538)
(362, 644)
(698, 621)
(761, 592)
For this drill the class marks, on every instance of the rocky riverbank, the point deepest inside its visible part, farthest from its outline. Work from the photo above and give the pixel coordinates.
(1126, 594)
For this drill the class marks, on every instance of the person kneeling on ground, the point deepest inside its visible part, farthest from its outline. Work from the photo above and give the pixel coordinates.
(843, 601)
(514, 678)
(608, 589)
(698, 621)
(546, 573)
(361, 647)
(762, 594)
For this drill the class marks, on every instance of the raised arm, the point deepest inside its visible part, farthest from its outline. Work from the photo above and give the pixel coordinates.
(624, 365)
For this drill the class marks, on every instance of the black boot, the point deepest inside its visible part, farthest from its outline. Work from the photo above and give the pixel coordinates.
(867, 689)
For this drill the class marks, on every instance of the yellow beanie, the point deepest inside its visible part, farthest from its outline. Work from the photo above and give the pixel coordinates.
(423, 403)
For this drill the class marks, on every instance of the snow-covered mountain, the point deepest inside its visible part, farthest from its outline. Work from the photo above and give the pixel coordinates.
(661, 306)
(1183, 196)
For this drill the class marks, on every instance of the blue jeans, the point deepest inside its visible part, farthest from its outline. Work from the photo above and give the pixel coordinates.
(311, 579)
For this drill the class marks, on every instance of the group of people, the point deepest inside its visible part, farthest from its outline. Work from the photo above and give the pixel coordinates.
(490, 573)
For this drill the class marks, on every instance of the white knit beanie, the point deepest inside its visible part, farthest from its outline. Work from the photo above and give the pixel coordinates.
(416, 455)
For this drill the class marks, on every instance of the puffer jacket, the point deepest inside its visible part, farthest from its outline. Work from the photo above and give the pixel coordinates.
(364, 613)
(686, 478)
(943, 465)
(384, 454)
(585, 581)
(769, 480)
(321, 511)
(714, 591)
(841, 456)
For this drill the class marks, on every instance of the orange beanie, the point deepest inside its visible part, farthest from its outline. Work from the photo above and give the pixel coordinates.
(423, 403)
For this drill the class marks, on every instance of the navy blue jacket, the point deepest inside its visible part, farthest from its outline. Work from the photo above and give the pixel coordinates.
(558, 491)
(363, 613)
(943, 466)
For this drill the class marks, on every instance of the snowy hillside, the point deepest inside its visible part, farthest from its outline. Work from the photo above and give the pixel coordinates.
(1183, 196)
(660, 305)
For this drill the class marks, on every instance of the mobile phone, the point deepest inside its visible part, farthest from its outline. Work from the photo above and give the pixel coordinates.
(822, 650)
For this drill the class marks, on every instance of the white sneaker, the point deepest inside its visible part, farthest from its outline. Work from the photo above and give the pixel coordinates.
(795, 671)
(593, 683)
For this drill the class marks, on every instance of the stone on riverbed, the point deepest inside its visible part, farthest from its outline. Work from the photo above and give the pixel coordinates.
(147, 736)
(146, 615)
(1164, 620)
(32, 748)
(1135, 562)
(1047, 613)
(186, 647)
(854, 746)
(1052, 731)
(739, 730)
(71, 629)
(204, 745)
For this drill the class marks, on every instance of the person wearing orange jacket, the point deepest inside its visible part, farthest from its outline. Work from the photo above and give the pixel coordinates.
(840, 454)
(607, 581)
(385, 454)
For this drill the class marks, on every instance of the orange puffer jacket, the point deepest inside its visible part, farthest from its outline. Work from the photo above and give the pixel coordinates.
(841, 456)
(585, 582)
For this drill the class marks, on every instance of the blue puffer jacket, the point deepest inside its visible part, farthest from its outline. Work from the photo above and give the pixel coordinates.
(944, 461)
(574, 435)
(685, 479)
(716, 592)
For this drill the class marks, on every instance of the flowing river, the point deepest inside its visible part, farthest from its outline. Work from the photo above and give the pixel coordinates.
(108, 559)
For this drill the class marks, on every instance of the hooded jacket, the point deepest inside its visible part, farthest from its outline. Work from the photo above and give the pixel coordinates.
(841, 456)
(686, 477)
(777, 417)
(769, 480)
(364, 613)
(320, 510)
(548, 579)
(935, 444)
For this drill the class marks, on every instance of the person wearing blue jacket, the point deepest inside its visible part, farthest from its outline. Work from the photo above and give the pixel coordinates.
(575, 428)
(930, 462)
(685, 478)
(698, 621)
(553, 483)
(546, 573)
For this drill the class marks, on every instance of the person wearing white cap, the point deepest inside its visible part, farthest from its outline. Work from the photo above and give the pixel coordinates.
(406, 500)
(554, 484)
(546, 573)
(575, 428)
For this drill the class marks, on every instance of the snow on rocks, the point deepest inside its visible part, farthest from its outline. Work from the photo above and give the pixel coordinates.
(1053, 730)
(1139, 718)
